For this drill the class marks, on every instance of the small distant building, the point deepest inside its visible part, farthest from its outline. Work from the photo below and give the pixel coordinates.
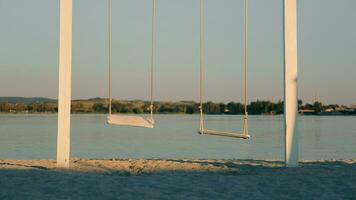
(306, 111)
(338, 109)
(329, 110)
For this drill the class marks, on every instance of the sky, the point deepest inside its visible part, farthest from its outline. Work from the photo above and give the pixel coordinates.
(29, 34)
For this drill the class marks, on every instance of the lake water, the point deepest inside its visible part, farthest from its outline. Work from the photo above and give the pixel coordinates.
(175, 136)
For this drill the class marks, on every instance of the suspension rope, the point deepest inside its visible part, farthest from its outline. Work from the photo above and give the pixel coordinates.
(110, 53)
(153, 55)
(245, 126)
(246, 57)
(202, 38)
(202, 66)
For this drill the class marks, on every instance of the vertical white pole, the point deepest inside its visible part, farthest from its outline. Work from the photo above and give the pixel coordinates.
(290, 82)
(64, 85)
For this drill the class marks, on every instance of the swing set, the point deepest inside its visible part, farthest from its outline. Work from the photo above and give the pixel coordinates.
(290, 56)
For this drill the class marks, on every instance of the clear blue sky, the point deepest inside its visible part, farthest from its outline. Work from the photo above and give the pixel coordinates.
(327, 47)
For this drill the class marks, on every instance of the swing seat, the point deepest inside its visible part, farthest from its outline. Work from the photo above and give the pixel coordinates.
(225, 134)
(126, 120)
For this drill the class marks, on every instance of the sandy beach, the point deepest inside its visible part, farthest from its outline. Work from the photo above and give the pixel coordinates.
(177, 179)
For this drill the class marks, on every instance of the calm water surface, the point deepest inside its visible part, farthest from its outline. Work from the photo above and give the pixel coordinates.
(175, 136)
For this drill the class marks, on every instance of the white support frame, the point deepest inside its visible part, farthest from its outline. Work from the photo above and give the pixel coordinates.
(290, 83)
(64, 85)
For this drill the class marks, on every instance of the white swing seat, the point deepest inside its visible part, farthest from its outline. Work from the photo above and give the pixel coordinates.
(225, 134)
(126, 120)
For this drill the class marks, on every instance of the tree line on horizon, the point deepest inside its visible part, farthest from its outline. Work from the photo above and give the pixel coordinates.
(140, 107)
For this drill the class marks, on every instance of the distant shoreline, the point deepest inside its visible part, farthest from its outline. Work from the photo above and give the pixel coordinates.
(195, 114)
(42, 105)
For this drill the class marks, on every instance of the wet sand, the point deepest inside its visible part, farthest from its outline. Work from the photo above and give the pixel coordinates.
(177, 179)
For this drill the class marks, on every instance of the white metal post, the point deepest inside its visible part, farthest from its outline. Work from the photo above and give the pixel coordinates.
(290, 82)
(64, 85)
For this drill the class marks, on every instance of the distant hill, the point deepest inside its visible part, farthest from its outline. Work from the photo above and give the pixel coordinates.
(26, 100)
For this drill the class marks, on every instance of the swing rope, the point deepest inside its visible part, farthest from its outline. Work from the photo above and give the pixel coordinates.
(152, 64)
(110, 53)
(202, 54)
(202, 130)
(245, 68)
(153, 58)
